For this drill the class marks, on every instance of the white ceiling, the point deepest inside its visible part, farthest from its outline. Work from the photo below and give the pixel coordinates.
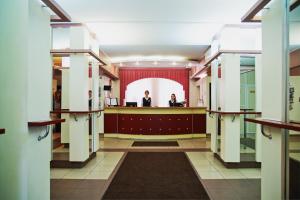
(156, 27)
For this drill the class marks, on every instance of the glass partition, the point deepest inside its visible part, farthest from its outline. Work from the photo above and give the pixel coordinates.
(247, 98)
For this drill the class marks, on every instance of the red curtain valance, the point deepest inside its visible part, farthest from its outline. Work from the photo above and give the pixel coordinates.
(129, 75)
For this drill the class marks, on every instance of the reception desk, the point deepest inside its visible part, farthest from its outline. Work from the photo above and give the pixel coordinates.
(155, 120)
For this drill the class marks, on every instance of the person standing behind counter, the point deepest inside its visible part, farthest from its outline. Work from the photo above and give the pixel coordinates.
(146, 99)
(173, 102)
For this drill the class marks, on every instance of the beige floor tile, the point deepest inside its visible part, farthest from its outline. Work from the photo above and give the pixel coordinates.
(205, 168)
(76, 174)
(236, 174)
(58, 173)
(210, 175)
(99, 175)
(251, 173)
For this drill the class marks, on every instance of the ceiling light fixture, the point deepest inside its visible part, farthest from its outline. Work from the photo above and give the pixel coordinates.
(174, 63)
(155, 63)
(148, 58)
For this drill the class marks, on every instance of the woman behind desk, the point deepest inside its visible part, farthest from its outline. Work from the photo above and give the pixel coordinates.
(173, 102)
(146, 100)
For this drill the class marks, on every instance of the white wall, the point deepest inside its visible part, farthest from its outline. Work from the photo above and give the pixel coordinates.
(160, 91)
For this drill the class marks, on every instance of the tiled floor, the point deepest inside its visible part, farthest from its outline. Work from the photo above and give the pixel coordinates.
(208, 167)
(112, 143)
(91, 181)
(99, 168)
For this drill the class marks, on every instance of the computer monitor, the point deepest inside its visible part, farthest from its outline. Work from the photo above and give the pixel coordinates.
(112, 101)
(131, 104)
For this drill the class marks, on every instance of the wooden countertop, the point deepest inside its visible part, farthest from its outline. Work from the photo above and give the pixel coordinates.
(155, 110)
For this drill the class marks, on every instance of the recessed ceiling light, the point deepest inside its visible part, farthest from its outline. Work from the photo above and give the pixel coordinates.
(190, 64)
(155, 63)
(137, 63)
(121, 64)
(174, 63)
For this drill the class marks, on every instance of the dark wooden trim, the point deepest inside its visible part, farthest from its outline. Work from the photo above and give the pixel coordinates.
(219, 53)
(258, 6)
(275, 124)
(65, 25)
(62, 15)
(108, 73)
(294, 5)
(71, 164)
(152, 108)
(234, 113)
(2, 131)
(235, 165)
(45, 123)
(67, 52)
(75, 112)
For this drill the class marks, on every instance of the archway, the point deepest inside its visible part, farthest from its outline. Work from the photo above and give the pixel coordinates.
(160, 91)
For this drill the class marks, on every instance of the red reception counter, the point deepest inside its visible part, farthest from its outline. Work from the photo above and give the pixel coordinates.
(155, 120)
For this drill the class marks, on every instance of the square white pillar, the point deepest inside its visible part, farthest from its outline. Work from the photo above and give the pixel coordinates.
(78, 96)
(230, 102)
(274, 67)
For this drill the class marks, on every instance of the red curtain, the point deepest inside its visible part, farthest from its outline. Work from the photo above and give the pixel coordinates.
(129, 75)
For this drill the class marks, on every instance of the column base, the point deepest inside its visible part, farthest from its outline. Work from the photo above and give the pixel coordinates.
(234, 165)
(65, 163)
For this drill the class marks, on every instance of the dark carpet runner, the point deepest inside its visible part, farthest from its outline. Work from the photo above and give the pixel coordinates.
(145, 175)
(155, 144)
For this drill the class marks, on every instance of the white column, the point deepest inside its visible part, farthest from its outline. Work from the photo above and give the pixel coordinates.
(25, 85)
(65, 127)
(78, 96)
(230, 102)
(273, 99)
(96, 117)
(214, 106)
(258, 105)
(101, 99)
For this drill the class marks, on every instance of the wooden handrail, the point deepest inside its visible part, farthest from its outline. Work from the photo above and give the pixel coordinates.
(275, 124)
(76, 112)
(234, 113)
(45, 123)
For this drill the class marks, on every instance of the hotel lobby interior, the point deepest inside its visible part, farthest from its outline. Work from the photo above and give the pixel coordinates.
(160, 99)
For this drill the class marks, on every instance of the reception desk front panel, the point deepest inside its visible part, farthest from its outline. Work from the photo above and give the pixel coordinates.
(155, 121)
